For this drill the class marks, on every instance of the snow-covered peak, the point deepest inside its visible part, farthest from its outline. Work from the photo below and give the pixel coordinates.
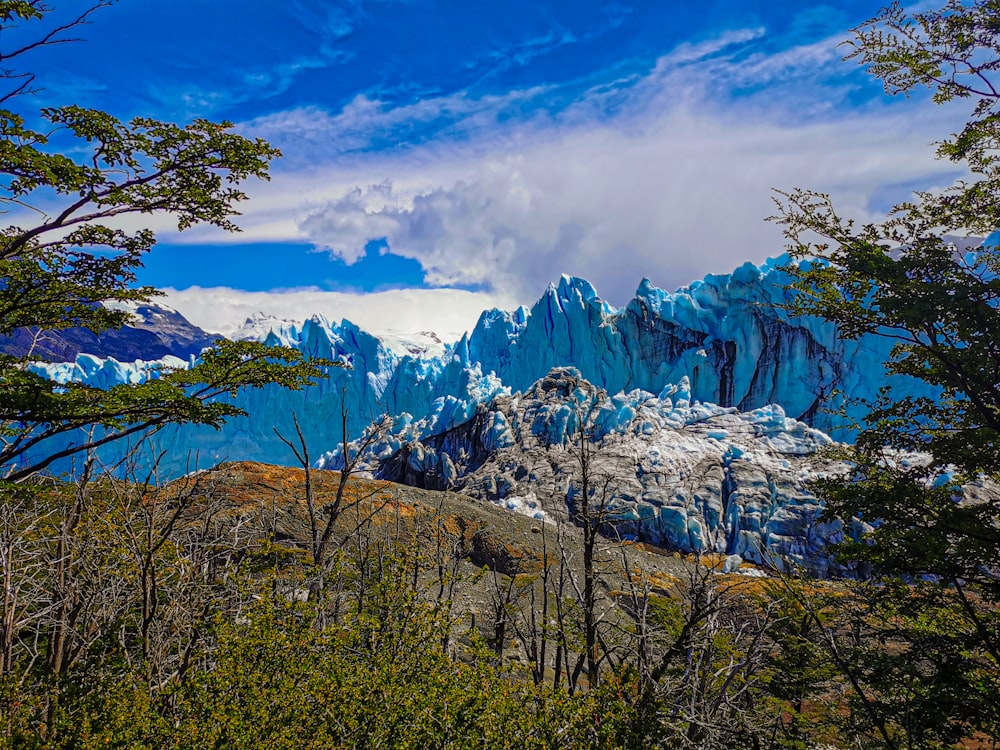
(141, 310)
(259, 325)
(286, 332)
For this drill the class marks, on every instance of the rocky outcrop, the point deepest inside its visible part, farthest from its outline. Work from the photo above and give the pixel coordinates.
(684, 475)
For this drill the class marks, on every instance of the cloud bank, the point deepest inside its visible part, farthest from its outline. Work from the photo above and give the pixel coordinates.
(447, 312)
(666, 174)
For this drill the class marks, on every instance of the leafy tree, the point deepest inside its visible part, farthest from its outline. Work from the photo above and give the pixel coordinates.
(65, 183)
(937, 519)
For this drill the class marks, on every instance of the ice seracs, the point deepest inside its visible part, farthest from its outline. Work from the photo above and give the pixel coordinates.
(688, 475)
(726, 337)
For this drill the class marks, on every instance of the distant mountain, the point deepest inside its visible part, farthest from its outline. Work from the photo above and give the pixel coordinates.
(155, 332)
(259, 325)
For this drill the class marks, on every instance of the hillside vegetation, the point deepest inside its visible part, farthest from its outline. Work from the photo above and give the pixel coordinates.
(194, 615)
(252, 606)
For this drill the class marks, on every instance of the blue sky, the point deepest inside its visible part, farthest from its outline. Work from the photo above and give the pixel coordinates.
(449, 156)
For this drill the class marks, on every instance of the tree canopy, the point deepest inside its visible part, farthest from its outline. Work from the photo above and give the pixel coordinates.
(68, 259)
(925, 470)
(902, 279)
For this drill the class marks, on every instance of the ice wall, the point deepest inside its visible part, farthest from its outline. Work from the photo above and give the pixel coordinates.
(727, 335)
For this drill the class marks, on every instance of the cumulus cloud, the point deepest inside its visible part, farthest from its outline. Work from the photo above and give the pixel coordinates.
(672, 202)
(668, 174)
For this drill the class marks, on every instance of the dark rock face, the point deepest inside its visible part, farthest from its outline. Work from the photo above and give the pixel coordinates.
(155, 332)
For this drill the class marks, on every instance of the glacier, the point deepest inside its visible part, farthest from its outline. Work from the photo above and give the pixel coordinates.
(682, 474)
(715, 397)
(728, 335)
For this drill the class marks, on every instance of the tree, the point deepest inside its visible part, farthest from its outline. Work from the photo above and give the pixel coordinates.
(62, 259)
(322, 543)
(938, 519)
(13, 11)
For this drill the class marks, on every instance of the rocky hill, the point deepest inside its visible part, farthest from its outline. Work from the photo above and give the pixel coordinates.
(472, 539)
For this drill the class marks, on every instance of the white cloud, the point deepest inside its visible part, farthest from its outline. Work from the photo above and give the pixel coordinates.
(688, 52)
(672, 202)
(307, 133)
(667, 175)
(447, 312)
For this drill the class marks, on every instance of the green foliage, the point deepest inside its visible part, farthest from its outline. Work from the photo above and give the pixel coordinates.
(145, 617)
(36, 409)
(932, 681)
(134, 616)
(954, 51)
(900, 279)
(277, 679)
(934, 524)
(23, 9)
(57, 271)
(65, 183)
